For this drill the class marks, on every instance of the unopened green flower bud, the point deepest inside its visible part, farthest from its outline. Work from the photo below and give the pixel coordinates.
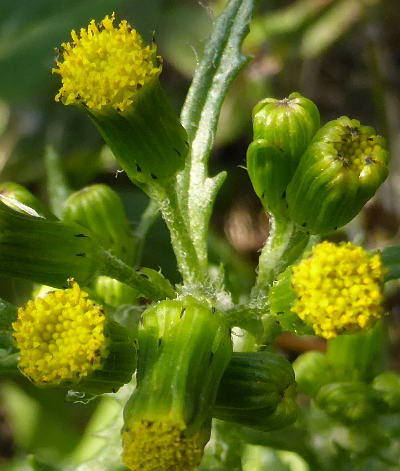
(114, 77)
(357, 356)
(312, 371)
(387, 384)
(100, 209)
(66, 340)
(339, 172)
(22, 200)
(254, 391)
(286, 412)
(288, 125)
(349, 401)
(184, 348)
(282, 131)
(113, 292)
(44, 251)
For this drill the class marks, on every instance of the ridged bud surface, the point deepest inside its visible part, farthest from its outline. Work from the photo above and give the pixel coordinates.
(255, 391)
(339, 172)
(282, 131)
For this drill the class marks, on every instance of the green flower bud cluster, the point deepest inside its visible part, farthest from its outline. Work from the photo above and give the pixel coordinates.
(340, 382)
(320, 179)
(349, 401)
(387, 384)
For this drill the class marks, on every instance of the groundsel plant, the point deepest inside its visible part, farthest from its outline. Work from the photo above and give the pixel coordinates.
(193, 395)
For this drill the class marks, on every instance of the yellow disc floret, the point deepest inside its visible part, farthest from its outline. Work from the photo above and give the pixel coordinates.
(160, 446)
(60, 337)
(105, 66)
(339, 288)
(357, 147)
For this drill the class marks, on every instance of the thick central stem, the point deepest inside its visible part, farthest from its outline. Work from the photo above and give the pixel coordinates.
(182, 244)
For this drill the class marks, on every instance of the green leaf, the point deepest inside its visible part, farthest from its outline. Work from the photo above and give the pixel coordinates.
(391, 261)
(222, 61)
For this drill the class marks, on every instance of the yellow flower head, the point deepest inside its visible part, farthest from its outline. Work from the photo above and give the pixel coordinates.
(162, 446)
(339, 289)
(60, 337)
(105, 66)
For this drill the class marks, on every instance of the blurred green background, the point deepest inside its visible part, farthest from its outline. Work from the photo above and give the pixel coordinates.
(343, 54)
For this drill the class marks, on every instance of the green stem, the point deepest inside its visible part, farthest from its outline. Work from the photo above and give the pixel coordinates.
(115, 268)
(182, 244)
(284, 246)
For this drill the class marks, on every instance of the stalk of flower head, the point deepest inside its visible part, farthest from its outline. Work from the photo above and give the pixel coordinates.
(336, 289)
(66, 340)
(185, 347)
